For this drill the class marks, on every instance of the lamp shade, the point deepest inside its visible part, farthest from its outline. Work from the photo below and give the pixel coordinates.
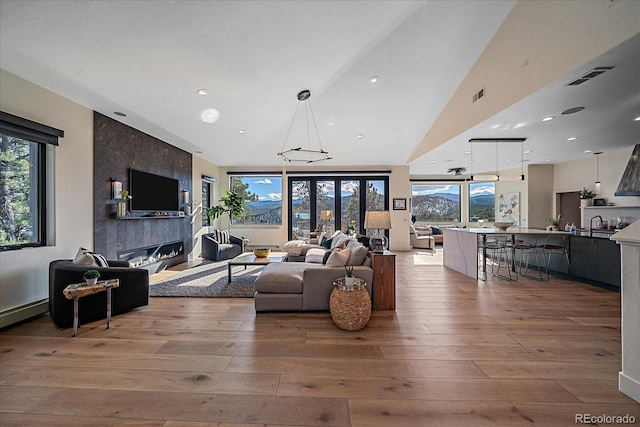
(326, 214)
(377, 220)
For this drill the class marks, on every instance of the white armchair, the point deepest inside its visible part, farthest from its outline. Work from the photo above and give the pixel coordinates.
(420, 240)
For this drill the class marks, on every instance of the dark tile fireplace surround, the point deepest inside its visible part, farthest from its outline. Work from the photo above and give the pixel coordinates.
(117, 148)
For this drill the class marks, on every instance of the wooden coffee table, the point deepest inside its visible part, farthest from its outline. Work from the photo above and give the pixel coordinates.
(248, 258)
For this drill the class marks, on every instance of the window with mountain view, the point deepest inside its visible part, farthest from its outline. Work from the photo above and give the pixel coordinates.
(262, 196)
(482, 197)
(435, 202)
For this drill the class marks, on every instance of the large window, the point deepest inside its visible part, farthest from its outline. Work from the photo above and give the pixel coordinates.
(435, 202)
(263, 199)
(482, 201)
(22, 181)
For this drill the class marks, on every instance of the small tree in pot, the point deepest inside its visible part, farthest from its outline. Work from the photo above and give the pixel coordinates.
(232, 204)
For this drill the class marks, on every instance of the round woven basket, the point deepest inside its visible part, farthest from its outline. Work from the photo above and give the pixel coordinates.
(262, 252)
(350, 310)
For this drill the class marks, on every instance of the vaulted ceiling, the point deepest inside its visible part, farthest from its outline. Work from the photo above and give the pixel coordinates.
(147, 59)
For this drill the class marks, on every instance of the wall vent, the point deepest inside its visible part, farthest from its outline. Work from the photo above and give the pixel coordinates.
(589, 75)
(477, 95)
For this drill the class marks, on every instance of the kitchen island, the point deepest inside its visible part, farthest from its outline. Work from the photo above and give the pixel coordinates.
(594, 258)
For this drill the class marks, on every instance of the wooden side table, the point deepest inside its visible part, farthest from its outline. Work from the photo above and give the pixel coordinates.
(384, 280)
(350, 306)
(78, 290)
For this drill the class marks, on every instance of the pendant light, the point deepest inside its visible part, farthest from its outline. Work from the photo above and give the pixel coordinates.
(598, 171)
(299, 154)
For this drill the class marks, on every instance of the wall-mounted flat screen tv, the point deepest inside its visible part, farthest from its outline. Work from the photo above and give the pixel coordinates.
(152, 192)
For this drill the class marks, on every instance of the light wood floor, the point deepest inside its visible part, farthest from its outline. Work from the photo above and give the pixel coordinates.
(455, 353)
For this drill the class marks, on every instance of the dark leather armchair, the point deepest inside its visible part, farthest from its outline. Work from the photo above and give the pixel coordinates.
(133, 291)
(215, 251)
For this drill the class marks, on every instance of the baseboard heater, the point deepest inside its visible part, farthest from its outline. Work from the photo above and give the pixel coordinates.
(24, 312)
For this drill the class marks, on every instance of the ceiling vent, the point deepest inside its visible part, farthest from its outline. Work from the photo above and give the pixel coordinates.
(589, 75)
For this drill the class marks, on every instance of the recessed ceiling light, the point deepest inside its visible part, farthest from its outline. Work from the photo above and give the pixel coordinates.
(547, 160)
(118, 113)
(202, 92)
(374, 79)
(572, 138)
(359, 136)
(241, 131)
(546, 119)
(528, 151)
(586, 151)
(508, 161)
(637, 119)
(467, 152)
(210, 115)
(432, 161)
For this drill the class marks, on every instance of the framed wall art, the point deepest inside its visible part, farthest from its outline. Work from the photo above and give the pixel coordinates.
(399, 204)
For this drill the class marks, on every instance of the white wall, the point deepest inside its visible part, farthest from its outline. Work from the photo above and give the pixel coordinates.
(24, 274)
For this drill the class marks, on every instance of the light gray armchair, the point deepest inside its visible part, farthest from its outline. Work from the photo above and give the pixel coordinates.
(421, 241)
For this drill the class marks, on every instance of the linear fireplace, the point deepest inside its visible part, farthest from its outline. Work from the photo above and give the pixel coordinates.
(151, 256)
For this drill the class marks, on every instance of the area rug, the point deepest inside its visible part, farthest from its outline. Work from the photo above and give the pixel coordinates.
(208, 281)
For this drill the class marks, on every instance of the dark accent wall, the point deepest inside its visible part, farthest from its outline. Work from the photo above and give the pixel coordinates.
(117, 148)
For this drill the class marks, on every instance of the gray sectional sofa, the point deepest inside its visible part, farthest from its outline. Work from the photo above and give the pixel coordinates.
(307, 286)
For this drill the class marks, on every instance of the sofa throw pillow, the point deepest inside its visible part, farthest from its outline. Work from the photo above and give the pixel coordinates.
(339, 258)
(436, 230)
(325, 258)
(326, 243)
(221, 236)
(89, 259)
(358, 255)
(315, 255)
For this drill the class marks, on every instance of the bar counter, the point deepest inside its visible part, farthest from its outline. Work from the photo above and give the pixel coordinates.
(460, 248)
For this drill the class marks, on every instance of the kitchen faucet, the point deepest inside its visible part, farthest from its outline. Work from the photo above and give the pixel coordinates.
(591, 224)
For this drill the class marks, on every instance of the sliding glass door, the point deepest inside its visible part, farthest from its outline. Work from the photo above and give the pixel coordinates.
(334, 203)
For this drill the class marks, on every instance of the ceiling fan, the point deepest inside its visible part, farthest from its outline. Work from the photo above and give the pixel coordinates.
(456, 171)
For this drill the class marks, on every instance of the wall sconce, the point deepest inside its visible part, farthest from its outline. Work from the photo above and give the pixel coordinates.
(116, 189)
(184, 197)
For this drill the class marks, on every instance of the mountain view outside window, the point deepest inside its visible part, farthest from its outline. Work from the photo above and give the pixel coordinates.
(263, 199)
(435, 202)
(482, 197)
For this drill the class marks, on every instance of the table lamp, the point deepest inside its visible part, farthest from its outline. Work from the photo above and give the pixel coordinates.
(378, 220)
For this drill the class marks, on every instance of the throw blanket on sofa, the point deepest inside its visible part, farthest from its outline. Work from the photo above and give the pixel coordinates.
(294, 247)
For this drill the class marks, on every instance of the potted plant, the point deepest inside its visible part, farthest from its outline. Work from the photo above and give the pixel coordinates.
(91, 277)
(349, 280)
(555, 223)
(232, 204)
(586, 197)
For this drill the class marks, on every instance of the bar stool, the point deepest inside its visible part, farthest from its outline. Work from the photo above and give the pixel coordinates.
(501, 250)
(555, 245)
(524, 247)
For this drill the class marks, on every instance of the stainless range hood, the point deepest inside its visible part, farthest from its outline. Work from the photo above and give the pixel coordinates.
(630, 182)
